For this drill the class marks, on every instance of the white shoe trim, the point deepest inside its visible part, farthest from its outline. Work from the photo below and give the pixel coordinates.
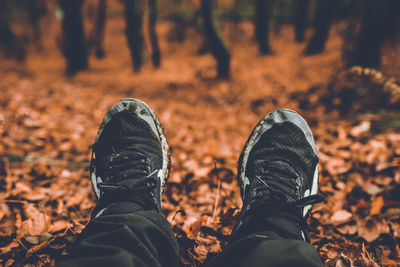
(314, 189)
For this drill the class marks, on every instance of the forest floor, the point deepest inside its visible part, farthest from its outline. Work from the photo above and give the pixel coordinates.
(48, 123)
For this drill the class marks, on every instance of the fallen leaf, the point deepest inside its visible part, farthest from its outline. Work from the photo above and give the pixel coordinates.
(4, 167)
(336, 166)
(77, 198)
(37, 222)
(9, 263)
(391, 262)
(194, 228)
(39, 247)
(348, 228)
(7, 248)
(376, 205)
(360, 129)
(59, 226)
(32, 239)
(370, 229)
(341, 216)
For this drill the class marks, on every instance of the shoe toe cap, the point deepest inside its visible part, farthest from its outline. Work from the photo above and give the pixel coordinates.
(137, 107)
(286, 115)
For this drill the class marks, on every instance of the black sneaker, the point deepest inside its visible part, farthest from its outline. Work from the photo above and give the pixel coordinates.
(278, 177)
(130, 160)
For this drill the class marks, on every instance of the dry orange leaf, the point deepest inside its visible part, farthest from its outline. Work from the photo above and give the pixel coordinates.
(37, 222)
(59, 225)
(194, 228)
(347, 229)
(360, 129)
(9, 263)
(376, 205)
(391, 262)
(341, 216)
(370, 228)
(9, 247)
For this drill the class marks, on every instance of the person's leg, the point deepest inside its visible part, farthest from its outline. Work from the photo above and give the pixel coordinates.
(268, 249)
(278, 178)
(129, 167)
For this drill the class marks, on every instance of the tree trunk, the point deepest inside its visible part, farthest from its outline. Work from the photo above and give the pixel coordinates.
(156, 54)
(323, 18)
(37, 10)
(234, 33)
(7, 37)
(392, 18)
(99, 28)
(300, 19)
(367, 48)
(177, 32)
(12, 45)
(278, 14)
(133, 20)
(350, 31)
(262, 16)
(214, 40)
(74, 45)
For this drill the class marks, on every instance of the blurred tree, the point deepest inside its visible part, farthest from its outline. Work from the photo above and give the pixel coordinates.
(177, 17)
(74, 43)
(7, 37)
(99, 28)
(133, 20)
(367, 47)
(177, 32)
(300, 18)
(203, 49)
(323, 18)
(236, 19)
(354, 8)
(392, 18)
(214, 40)
(13, 46)
(156, 55)
(37, 9)
(262, 15)
(278, 15)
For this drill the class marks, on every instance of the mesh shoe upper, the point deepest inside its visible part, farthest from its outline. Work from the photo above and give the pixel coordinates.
(129, 158)
(278, 172)
(280, 165)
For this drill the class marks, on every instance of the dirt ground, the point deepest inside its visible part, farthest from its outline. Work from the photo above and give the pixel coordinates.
(48, 123)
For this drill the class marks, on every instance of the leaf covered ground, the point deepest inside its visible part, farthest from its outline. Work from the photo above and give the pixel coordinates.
(48, 123)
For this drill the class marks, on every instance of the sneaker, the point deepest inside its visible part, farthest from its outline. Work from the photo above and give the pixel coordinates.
(278, 177)
(130, 160)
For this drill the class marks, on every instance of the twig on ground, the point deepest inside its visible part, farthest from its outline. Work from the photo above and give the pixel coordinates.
(218, 191)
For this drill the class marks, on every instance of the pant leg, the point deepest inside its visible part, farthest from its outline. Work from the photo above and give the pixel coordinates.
(142, 238)
(268, 249)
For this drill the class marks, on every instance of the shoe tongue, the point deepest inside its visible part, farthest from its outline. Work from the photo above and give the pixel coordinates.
(124, 165)
(123, 207)
(277, 180)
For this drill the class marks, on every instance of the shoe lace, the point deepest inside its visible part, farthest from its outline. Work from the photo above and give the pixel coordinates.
(282, 188)
(129, 177)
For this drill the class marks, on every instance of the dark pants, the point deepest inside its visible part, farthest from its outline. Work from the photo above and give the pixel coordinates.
(145, 238)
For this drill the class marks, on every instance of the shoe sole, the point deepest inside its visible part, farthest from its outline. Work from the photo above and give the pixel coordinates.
(157, 127)
(276, 116)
